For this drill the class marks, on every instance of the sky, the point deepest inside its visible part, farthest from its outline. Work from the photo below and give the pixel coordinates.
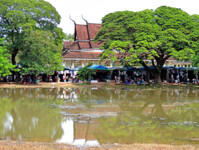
(94, 10)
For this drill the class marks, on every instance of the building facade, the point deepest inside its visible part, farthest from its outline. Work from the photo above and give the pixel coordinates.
(83, 50)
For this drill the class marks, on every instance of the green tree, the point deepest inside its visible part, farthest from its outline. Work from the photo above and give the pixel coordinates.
(69, 37)
(19, 17)
(5, 64)
(85, 73)
(40, 53)
(149, 35)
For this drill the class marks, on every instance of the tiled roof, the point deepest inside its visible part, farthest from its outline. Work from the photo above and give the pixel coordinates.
(93, 29)
(84, 35)
(84, 45)
(67, 44)
(82, 55)
(81, 32)
(96, 45)
(70, 45)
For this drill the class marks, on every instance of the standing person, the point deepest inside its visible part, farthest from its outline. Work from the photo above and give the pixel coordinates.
(172, 78)
(61, 74)
(67, 77)
(115, 79)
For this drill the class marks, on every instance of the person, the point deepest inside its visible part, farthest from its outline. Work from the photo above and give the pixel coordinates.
(194, 81)
(36, 80)
(126, 78)
(188, 81)
(67, 77)
(139, 81)
(29, 80)
(64, 78)
(172, 78)
(115, 79)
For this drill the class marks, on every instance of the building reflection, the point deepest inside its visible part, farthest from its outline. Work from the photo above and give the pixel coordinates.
(77, 134)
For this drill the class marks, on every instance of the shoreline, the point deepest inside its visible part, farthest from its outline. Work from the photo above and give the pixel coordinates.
(78, 85)
(23, 145)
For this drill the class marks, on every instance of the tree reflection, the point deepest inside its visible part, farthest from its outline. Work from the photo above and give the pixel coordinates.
(157, 116)
(29, 117)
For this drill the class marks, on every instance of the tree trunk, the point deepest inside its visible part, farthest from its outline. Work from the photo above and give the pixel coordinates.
(34, 79)
(14, 54)
(157, 76)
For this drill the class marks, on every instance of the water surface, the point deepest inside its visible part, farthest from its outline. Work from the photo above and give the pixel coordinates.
(94, 116)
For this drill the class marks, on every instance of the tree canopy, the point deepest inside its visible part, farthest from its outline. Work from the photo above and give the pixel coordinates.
(19, 17)
(155, 35)
(85, 73)
(5, 64)
(69, 37)
(40, 53)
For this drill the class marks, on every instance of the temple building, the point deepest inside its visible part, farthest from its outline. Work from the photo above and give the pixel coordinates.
(83, 50)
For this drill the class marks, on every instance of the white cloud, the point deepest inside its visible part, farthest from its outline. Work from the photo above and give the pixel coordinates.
(93, 11)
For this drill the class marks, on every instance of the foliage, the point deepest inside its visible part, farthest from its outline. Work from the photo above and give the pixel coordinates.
(40, 53)
(154, 35)
(5, 64)
(196, 60)
(69, 37)
(85, 73)
(19, 17)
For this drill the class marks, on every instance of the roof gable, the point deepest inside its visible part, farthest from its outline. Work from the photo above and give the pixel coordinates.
(81, 32)
(93, 29)
(84, 36)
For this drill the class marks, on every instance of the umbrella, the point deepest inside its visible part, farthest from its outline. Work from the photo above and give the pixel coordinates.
(130, 69)
(76, 68)
(144, 69)
(98, 67)
(181, 68)
(169, 67)
(193, 68)
(66, 68)
(115, 68)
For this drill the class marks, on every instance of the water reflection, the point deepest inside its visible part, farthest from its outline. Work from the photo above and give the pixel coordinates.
(93, 116)
(70, 137)
(28, 121)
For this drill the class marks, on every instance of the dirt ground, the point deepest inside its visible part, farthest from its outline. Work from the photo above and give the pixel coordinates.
(5, 145)
(73, 85)
(54, 84)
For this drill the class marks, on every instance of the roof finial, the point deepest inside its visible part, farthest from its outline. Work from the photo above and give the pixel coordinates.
(72, 19)
(84, 19)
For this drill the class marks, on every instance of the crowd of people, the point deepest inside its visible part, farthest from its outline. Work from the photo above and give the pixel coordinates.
(169, 76)
(118, 76)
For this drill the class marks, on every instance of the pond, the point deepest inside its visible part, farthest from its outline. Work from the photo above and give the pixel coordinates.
(95, 116)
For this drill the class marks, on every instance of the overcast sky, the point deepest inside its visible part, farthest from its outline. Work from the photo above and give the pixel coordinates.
(94, 10)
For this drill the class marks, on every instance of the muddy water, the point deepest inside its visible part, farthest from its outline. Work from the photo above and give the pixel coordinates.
(94, 116)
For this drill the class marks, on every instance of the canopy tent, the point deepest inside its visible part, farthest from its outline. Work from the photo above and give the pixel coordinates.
(192, 68)
(98, 67)
(115, 68)
(144, 69)
(76, 68)
(66, 68)
(130, 69)
(181, 68)
(168, 67)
